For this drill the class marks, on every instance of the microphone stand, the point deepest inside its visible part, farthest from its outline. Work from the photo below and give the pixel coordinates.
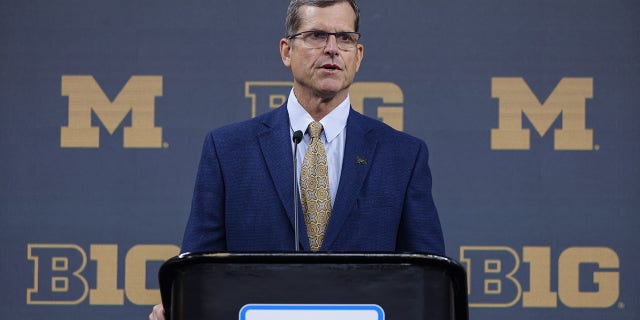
(297, 137)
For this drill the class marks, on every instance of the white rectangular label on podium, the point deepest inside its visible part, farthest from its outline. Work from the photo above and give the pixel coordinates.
(311, 312)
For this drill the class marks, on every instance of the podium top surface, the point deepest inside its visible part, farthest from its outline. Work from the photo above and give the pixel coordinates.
(309, 257)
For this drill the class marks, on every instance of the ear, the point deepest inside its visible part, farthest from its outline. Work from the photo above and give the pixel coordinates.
(285, 52)
(359, 56)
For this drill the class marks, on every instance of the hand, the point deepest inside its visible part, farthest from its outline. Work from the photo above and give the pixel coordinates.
(157, 313)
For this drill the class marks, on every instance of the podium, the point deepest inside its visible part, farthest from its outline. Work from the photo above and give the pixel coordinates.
(313, 286)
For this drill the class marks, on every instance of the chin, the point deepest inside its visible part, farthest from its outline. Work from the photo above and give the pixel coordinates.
(328, 93)
(331, 90)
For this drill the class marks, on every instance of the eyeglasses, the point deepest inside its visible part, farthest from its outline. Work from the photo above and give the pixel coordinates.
(318, 39)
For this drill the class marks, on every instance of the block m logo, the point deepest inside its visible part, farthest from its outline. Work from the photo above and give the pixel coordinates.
(567, 100)
(137, 96)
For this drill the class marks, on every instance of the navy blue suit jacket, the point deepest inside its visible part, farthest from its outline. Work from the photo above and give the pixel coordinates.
(243, 197)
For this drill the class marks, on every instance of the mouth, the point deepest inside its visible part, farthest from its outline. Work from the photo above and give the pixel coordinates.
(330, 67)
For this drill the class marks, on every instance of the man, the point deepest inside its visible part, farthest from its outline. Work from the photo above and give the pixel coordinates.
(378, 194)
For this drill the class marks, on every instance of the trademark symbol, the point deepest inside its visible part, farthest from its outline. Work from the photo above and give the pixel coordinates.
(596, 147)
(620, 305)
(165, 145)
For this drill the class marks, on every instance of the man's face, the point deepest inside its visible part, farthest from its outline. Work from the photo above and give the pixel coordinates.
(325, 72)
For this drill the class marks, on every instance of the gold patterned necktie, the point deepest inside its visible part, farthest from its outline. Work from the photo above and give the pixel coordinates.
(314, 188)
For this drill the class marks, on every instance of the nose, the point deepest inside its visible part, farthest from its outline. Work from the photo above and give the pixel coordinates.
(332, 45)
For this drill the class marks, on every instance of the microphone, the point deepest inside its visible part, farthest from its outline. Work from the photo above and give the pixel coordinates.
(297, 137)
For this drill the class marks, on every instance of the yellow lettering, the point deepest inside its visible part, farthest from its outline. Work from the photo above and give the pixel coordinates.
(569, 277)
(490, 276)
(136, 271)
(271, 94)
(267, 95)
(567, 99)
(138, 96)
(61, 264)
(106, 291)
(389, 92)
(539, 294)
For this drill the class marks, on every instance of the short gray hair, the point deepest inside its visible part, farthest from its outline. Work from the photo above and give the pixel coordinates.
(293, 12)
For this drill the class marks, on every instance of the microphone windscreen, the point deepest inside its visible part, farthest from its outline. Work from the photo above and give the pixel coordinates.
(297, 137)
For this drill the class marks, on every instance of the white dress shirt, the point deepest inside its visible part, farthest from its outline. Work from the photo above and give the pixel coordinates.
(333, 137)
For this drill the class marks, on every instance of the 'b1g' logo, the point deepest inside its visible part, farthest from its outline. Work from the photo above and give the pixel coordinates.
(268, 95)
(60, 275)
(587, 277)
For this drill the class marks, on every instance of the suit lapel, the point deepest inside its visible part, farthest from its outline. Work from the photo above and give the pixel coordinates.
(274, 139)
(358, 151)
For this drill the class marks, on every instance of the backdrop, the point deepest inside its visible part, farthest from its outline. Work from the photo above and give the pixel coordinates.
(529, 108)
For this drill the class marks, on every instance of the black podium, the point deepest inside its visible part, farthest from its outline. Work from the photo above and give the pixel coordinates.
(331, 286)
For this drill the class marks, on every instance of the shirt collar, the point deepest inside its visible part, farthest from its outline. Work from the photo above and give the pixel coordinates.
(333, 123)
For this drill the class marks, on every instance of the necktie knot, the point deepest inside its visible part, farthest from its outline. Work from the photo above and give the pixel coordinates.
(314, 129)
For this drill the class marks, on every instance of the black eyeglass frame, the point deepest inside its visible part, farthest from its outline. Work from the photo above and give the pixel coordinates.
(335, 34)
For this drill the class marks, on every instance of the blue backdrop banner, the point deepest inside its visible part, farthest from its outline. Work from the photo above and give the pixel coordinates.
(529, 108)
